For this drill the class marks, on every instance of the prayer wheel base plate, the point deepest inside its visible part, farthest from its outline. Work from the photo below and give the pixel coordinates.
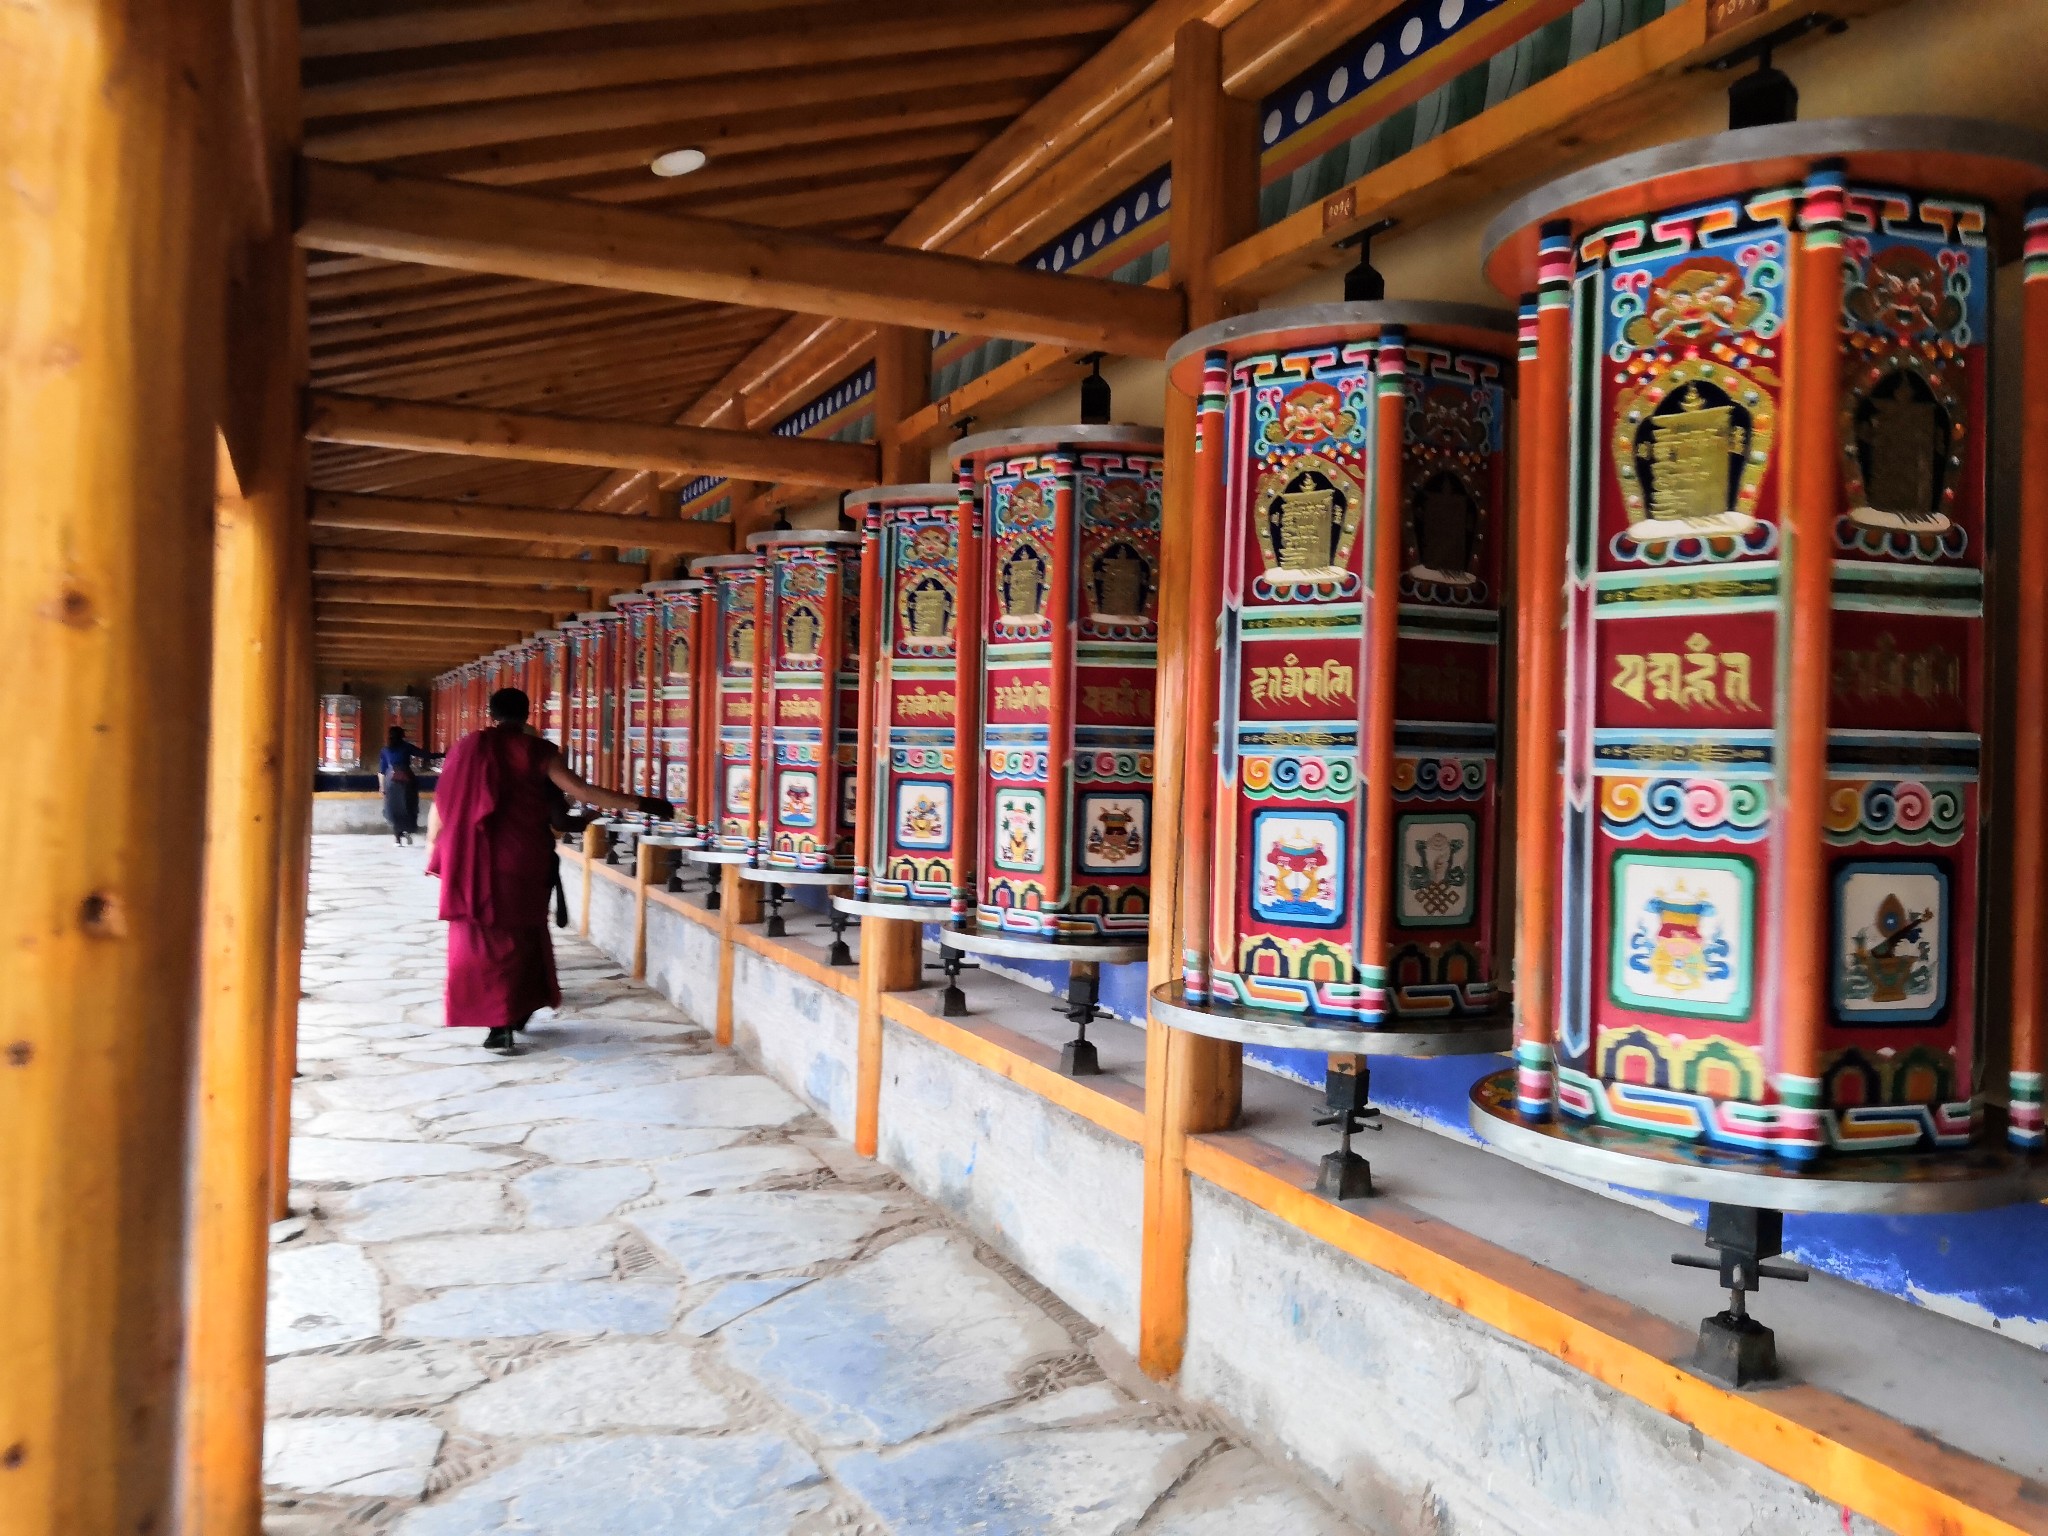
(895, 911)
(1269, 1026)
(716, 856)
(1070, 951)
(1986, 1174)
(796, 876)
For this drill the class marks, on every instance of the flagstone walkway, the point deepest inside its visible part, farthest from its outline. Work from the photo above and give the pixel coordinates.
(623, 1284)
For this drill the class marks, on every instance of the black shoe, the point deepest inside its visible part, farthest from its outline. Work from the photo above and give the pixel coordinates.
(500, 1040)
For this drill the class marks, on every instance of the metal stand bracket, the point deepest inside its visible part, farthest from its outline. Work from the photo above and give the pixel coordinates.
(839, 954)
(1347, 1091)
(1084, 987)
(777, 928)
(1734, 1348)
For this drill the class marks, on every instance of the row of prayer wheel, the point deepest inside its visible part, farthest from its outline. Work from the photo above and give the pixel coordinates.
(1733, 456)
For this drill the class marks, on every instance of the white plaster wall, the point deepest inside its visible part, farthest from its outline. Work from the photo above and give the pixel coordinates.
(682, 963)
(799, 1033)
(1373, 1388)
(611, 918)
(1057, 1195)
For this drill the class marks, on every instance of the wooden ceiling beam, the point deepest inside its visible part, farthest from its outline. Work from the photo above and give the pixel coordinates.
(446, 595)
(333, 30)
(591, 317)
(446, 295)
(515, 365)
(484, 229)
(471, 520)
(408, 565)
(534, 301)
(430, 428)
(679, 329)
(780, 171)
(419, 616)
(386, 138)
(788, 43)
(737, 136)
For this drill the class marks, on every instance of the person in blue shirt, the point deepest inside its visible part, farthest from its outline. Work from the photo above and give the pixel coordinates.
(400, 784)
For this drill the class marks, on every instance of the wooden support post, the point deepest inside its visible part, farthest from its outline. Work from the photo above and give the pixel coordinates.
(891, 960)
(739, 902)
(903, 386)
(222, 1443)
(2030, 704)
(651, 867)
(1192, 1084)
(295, 852)
(596, 844)
(110, 391)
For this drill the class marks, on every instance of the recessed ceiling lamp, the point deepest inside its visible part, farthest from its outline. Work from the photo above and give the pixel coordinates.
(678, 162)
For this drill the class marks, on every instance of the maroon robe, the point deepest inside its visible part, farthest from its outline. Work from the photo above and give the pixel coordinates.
(496, 859)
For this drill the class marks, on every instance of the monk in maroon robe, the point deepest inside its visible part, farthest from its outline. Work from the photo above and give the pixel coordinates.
(491, 841)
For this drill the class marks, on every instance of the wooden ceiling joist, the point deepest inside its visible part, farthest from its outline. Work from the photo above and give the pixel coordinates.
(469, 520)
(329, 590)
(430, 428)
(404, 565)
(391, 30)
(515, 234)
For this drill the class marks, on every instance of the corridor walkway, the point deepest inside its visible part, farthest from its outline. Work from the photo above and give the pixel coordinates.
(621, 1283)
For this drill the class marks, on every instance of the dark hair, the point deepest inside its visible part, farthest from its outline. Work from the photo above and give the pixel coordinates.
(510, 706)
(395, 735)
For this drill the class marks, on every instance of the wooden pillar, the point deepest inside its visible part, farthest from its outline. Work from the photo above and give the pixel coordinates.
(110, 389)
(597, 843)
(295, 850)
(1390, 422)
(651, 867)
(891, 960)
(2030, 705)
(222, 1452)
(903, 386)
(1192, 1084)
(1812, 477)
(739, 902)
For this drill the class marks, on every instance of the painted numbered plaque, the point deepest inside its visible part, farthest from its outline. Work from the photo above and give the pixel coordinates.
(733, 595)
(810, 698)
(1335, 897)
(680, 624)
(918, 703)
(1692, 298)
(1070, 629)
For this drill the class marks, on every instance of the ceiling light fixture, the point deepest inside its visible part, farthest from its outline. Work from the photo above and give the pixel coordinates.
(678, 162)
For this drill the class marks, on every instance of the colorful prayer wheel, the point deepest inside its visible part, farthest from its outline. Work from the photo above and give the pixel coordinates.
(409, 714)
(1753, 534)
(552, 700)
(1355, 457)
(1069, 626)
(733, 600)
(633, 663)
(682, 625)
(807, 699)
(920, 590)
(341, 733)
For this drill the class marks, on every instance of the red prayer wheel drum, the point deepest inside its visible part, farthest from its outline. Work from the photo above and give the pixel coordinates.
(550, 702)
(680, 611)
(407, 712)
(1069, 521)
(1757, 370)
(809, 690)
(633, 661)
(915, 845)
(341, 733)
(732, 596)
(584, 637)
(1356, 458)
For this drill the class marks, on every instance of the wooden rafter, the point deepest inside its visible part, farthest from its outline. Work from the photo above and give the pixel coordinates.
(406, 565)
(471, 520)
(484, 229)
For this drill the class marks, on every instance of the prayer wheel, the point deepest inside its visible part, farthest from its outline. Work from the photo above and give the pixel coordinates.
(341, 733)
(633, 663)
(1754, 535)
(408, 713)
(807, 699)
(680, 647)
(594, 712)
(552, 700)
(1355, 456)
(732, 597)
(920, 572)
(1069, 630)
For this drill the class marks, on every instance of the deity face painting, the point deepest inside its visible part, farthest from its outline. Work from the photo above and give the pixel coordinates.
(1694, 300)
(1313, 413)
(1906, 292)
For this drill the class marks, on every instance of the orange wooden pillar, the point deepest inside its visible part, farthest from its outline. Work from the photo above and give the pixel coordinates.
(295, 850)
(1812, 471)
(2030, 711)
(739, 902)
(1192, 1084)
(110, 388)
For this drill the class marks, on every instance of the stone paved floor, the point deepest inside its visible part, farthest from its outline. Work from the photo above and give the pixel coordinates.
(622, 1284)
